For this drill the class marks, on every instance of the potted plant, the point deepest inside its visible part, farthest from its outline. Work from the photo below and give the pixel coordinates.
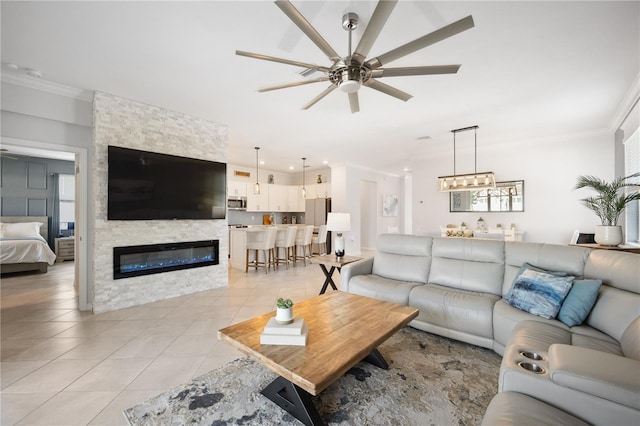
(608, 204)
(463, 226)
(284, 311)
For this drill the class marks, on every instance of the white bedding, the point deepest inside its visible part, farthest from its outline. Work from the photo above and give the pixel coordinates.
(25, 250)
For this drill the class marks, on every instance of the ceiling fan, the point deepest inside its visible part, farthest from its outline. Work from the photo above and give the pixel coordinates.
(355, 70)
(4, 153)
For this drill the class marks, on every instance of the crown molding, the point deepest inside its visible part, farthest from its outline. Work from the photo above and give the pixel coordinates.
(630, 99)
(47, 86)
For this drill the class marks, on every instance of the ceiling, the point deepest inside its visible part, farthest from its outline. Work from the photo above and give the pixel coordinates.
(529, 70)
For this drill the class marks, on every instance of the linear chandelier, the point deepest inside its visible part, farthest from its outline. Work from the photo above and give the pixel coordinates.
(470, 181)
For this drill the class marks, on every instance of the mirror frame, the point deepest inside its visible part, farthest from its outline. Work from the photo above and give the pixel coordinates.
(458, 195)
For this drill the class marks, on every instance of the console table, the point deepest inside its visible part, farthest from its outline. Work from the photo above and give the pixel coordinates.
(621, 247)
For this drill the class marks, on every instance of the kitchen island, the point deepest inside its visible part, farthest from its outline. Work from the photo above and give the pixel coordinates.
(240, 236)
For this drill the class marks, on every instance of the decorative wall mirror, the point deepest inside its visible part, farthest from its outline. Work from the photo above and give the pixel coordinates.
(505, 197)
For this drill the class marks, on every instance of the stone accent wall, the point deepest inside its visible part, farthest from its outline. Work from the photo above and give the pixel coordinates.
(125, 123)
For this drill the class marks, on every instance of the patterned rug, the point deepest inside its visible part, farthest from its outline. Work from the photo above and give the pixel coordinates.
(431, 380)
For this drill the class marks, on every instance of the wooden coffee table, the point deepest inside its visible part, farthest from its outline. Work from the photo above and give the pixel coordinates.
(344, 329)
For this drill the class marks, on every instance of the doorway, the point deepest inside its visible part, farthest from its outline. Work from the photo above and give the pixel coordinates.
(81, 229)
(368, 214)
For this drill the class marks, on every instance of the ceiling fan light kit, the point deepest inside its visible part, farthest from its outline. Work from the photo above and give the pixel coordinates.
(471, 181)
(354, 70)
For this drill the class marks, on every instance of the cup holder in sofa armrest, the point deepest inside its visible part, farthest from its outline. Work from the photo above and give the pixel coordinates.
(532, 355)
(529, 366)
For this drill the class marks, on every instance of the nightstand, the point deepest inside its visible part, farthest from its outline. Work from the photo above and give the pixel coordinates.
(64, 248)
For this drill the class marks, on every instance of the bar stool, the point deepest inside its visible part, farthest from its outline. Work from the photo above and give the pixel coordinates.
(304, 243)
(321, 240)
(288, 243)
(267, 247)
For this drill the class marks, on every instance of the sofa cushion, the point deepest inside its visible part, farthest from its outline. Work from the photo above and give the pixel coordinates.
(539, 293)
(614, 268)
(547, 256)
(382, 288)
(582, 369)
(403, 257)
(506, 317)
(614, 310)
(466, 311)
(630, 342)
(579, 301)
(468, 264)
(513, 408)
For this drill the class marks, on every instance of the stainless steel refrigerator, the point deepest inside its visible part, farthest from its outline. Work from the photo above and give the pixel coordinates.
(315, 214)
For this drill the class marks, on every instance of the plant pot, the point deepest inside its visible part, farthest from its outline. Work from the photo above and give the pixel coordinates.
(284, 315)
(608, 235)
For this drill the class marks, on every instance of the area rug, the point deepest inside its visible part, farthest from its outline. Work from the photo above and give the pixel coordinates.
(431, 380)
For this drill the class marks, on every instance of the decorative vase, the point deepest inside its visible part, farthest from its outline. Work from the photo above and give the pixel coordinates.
(319, 179)
(608, 235)
(284, 315)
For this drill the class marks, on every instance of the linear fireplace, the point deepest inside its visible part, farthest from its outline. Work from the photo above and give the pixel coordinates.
(132, 261)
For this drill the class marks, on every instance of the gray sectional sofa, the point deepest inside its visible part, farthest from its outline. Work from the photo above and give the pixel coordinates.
(551, 373)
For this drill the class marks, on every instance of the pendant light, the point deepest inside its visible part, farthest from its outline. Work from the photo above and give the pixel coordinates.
(467, 182)
(256, 186)
(304, 190)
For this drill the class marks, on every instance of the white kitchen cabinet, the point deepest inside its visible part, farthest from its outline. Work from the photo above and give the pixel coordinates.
(279, 198)
(318, 190)
(237, 189)
(296, 200)
(259, 202)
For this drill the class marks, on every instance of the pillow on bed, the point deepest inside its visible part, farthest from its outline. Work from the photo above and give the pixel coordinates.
(21, 230)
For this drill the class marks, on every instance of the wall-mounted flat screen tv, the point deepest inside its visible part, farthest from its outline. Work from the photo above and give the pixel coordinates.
(148, 185)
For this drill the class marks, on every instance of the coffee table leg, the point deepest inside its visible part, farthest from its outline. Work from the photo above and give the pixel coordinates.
(294, 400)
(375, 358)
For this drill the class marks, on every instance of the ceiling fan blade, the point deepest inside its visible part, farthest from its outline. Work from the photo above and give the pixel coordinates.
(297, 83)
(386, 89)
(307, 28)
(408, 71)
(376, 23)
(354, 103)
(281, 60)
(422, 42)
(324, 93)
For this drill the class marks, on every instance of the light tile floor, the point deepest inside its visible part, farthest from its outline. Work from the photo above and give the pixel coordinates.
(60, 366)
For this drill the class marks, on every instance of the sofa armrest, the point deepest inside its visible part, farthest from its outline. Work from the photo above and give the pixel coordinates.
(361, 267)
(602, 374)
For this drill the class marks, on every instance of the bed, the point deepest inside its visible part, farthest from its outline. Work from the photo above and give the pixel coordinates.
(23, 246)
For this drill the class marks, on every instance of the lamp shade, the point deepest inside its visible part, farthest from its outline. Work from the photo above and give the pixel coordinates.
(338, 222)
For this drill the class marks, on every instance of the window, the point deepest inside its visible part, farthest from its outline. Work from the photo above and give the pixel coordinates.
(631, 166)
(67, 191)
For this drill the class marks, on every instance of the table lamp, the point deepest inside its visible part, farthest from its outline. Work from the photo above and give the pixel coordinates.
(339, 223)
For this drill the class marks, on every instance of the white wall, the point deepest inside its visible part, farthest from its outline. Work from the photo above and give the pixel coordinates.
(549, 168)
(346, 196)
(57, 118)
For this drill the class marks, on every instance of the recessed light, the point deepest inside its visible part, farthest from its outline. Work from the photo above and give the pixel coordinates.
(325, 162)
(290, 167)
(424, 138)
(13, 67)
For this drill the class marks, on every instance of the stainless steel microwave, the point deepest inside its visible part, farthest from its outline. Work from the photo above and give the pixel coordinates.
(237, 203)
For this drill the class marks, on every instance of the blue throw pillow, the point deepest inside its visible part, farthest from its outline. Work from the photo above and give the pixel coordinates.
(539, 293)
(526, 266)
(579, 302)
